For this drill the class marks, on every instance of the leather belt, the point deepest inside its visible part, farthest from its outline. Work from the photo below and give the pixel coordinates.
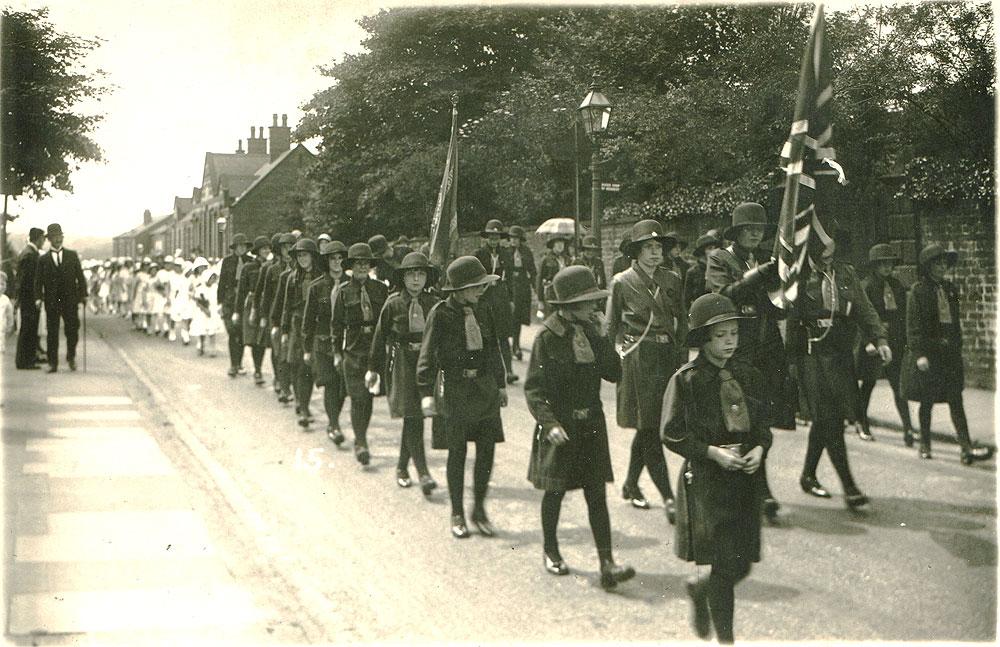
(662, 338)
(367, 329)
(470, 372)
(580, 414)
(413, 345)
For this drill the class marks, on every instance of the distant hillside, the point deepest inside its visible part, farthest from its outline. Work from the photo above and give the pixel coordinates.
(85, 246)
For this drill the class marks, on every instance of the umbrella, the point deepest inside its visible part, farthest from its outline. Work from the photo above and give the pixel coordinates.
(563, 226)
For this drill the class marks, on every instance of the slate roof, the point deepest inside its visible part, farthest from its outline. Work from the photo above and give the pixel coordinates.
(263, 171)
(231, 171)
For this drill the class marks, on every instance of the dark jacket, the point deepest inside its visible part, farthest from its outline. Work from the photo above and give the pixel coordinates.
(27, 270)
(560, 391)
(349, 330)
(394, 352)
(227, 283)
(596, 266)
(940, 343)
(61, 287)
(894, 320)
(521, 283)
(269, 291)
(548, 268)
(620, 264)
(318, 313)
(694, 282)
(714, 501)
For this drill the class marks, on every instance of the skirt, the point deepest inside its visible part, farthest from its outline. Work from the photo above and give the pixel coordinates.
(829, 386)
(645, 374)
(445, 432)
(943, 382)
(582, 461)
(355, 366)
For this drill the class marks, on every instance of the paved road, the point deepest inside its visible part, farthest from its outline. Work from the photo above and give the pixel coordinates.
(329, 551)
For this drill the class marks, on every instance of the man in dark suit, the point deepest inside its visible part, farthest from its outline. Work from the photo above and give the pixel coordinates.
(229, 276)
(60, 285)
(27, 269)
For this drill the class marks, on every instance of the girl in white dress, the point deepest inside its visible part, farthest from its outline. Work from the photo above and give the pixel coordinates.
(180, 302)
(207, 320)
(140, 296)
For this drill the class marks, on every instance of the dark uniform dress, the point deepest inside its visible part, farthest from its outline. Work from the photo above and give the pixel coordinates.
(497, 295)
(888, 297)
(550, 266)
(274, 317)
(521, 283)
(395, 349)
(229, 273)
(465, 383)
(932, 331)
(316, 338)
(560, 390)
(292, 314)
(694, 282)
(249, 277)
(831, 310)
(760, 342)
(352, 329)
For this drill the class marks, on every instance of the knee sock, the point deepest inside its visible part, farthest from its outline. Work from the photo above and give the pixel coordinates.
(864, 399)
(333, 402)
(516, 337)
(404, 452)
(836, 449)
(456, 475)
(257, 353)
(656, 463)
(482, 471)
(600, 520)
(361, 415)
(551, 506)
(721, 601)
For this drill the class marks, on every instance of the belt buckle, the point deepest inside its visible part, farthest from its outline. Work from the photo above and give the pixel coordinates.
(734, 447)
(824, 323)
(581, 414)
(663, 338)
(749, 310)
(470, 372)
(414, 345)
(367, 329)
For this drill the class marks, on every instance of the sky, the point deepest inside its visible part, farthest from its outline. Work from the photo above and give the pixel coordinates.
(190, 77)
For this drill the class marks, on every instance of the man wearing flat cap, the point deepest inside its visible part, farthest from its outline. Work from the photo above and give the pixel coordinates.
(229, 276)
(61, 286)
(27, 270)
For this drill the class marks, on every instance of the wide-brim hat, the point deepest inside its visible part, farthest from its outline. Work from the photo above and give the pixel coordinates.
(554, 238)
(333, 247)
(275, 240)
(287, 238)
(626, 239)
(358, 252)
(575, 284)
(747, 214)
(402, 240)
(677, 237)
(238, 239)
(377, 244)
(53, 230)
(201, 261)
(416, 261)
(645, 231)
(934, 251)
(494, 226)
(590, 242)
(704, 241)
(882, 252)
(466, 272)
(305, 245)
(260, 242)
(323, 238)
(517, 231)
(708, 310)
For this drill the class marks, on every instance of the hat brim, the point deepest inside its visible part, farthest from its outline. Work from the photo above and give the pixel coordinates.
(556, 238)
(487, 234)
(431, 270)
(950, 257)
(732, 231)
(590, 295)
(894, 259)
(663, 240)
(485, 280)
(346, 263)
(698, 336)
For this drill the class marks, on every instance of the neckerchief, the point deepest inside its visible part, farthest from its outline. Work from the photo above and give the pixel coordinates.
(367, 312)
(416, 315)
(888, 297)
(734, 406)
(583, 352)
(473, 335)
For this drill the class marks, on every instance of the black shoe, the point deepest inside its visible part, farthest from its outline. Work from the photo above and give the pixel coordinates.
(925, 452)
(232, 371)
(771, 507)
(671, 507)
(855, 499)
(258, 379)
(403, 479)
(33, 367)
(482, 523)
(908, 437)
(701, 619)
(518, 355)
(458, 528)
(361, 453)
(512, 378)
(864, 433)
(335, 435)
(556, 565)
(427, 484)
(304, 422)
(72, 364)
(612, 574)
(284, 398)
(51, 369)
(633, 495)
(976, 453)
(810, 485)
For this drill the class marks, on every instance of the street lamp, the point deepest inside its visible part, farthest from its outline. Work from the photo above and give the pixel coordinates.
(220, 222)
(595, 114)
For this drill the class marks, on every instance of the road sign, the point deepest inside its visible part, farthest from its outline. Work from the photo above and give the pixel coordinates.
(611, 186)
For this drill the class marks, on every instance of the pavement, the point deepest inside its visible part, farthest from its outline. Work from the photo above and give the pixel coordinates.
(308, 547)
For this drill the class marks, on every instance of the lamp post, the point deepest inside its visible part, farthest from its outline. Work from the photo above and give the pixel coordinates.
(595, 114)
(220, 222)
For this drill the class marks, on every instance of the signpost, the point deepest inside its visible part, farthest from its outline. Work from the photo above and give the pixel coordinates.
(611, 186)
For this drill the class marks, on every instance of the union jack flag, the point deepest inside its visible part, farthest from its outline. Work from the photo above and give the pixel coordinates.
(806, 155)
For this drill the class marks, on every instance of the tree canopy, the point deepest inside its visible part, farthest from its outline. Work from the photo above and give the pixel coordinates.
(702, 96)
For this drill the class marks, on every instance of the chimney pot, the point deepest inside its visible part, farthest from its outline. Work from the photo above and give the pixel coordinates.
(274, 119)
(284, 120)
(240, 148)
(253, 132)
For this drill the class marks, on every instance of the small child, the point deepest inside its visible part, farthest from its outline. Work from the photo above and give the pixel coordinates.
(714, 413)
(6, 313)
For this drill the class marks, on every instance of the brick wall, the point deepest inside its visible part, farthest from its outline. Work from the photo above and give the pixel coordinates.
(276, 203)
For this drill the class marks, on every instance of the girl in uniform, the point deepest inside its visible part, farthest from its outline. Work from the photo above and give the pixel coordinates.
(714, 415)
(307, 270)
(399, 330)
(569, 450)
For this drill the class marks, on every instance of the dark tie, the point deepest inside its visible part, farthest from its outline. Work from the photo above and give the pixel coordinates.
(473, 335)
(734, 407)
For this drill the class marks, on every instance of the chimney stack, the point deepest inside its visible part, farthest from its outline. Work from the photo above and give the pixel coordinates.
(274, 119)
(239, 149)
(147, 217)
(281, 137)
(256, 145)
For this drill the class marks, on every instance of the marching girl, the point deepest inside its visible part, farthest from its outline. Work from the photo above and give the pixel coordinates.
(400, 328)
(180, 302)
(104, 288)
(307, 270)
(207, 320)
(120, 288)
(140, 296)
(569, 450)
(714, 415)
(159, 308)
